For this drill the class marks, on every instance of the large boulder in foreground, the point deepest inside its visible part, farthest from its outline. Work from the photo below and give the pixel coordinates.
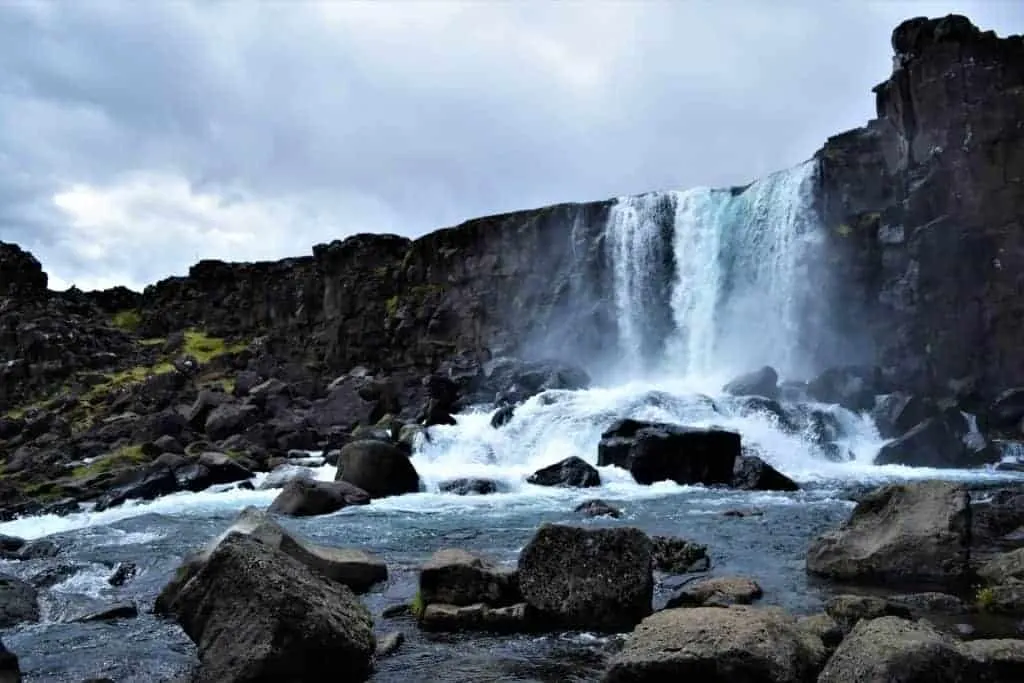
(10, 670)
(303, 497)
(354, 568)
(891, 649)
(588, 579)
(378, 468)
(915, 533)
(256, 614)
(654, 451)
(719, 645)
(947, 440)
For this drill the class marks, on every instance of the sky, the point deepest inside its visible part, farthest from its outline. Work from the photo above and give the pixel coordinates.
(139, 137)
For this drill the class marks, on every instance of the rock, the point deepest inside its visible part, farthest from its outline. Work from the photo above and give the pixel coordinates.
(720, 591)
(229, 419)
(718, 645)
(1004, 567)
(11, 544)
(123, 610)
(388, 644)
(852, 387)
(39, 549)
(502, 416)
(393, 611)
(999, 660)
(598, 508)
(282, 474)
(949, 439)
(572, 472)
(655, 452)
(894, 649)
(848, 610)
(763, 382)
(123, 573)
(477, 617)
(469, 486)
(460, 578)
(930, 603)
(19, 602)
(212, 469)
(149, 484)
(915, 533)
(356, 569)
(378, 468)
(1007, 410)
(824, 628)
(307, 497)
(589, 579)
(678, 556)
(743, 513)
(898, 413)
(257, 614)
(169, 444)
(10, 670)
(751, 473)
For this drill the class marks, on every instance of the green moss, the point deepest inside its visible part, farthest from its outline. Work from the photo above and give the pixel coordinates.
(416, 606)
(391, 306)
(128, 456)
(205, 348)
(128, 321)
(152, 342)
(985, 598)
(844, 230)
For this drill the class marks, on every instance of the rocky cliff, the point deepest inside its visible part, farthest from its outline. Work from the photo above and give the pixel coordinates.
(924, 210)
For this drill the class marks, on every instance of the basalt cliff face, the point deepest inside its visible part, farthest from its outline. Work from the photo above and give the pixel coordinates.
(922, 211)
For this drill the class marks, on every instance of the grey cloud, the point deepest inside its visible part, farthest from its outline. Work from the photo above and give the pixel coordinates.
(405, 117)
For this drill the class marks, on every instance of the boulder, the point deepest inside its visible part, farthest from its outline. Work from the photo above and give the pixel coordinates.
(123, 573)
(852, 387)
(720, 591)
(824, 628)
(896, 414)
(460, 578)
(10, 670)
(718, 645)
(303, 497)
(849, 610)
(469, 486)
(229, 419)
(122, 610)
(279, 477)
(1007, 410)
(950, 439)
(210, 469)
(598, 508)
(572, 472)
(356, 569)
(763, 382)
(894, 649)
(589, 579)
(751, 473)
(998, 660)
(655, 452)
(378, 468)
(257, 614)
(147, 485)
(19, 602)
(916, 533)
(502, 416)
(1003, 567)
(678, 556)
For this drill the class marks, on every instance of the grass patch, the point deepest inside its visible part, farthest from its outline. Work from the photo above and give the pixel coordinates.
(205, 348)
(985, 598)
(121, 458)
(128, 321)
(416, 606)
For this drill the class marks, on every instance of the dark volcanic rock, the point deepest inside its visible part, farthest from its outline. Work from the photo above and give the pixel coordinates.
(655, 452)
(10, 671)
(763, 382)
(456, 577)
(304, 498)
(123, 610)
(21, 274)
(751, 473)
(19, 602)
(469, 486)
(598, 508)
(947, 440)
(572, 472)
(1007, 410)
(915, 533)
(256, 614)
(898, 413)
(679, 556)
(210, 469)
(852, 387)
(150, 484)
(590, 579)
(378, 468)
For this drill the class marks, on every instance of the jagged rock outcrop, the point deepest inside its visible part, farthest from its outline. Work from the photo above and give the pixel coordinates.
(923, 210)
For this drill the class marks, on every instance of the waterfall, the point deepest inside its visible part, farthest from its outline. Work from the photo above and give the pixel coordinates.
(736, 280)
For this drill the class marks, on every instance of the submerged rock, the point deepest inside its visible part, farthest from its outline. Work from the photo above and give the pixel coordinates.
(849, 610)
(122, 610)
(718, 645)
(256, 614)
(378, 468)
(572, 472)
(598, 508)
(477, 617)
(303, 497)
(678, 556)
(720, 591)
(19, 602)
(469, 486)
(654, 452)
(591, 579)
(914, 533)
(751, 473)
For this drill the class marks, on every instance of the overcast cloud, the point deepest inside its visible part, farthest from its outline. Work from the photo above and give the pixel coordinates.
(138, 137)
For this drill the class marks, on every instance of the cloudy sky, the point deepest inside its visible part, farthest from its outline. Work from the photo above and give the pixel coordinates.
(138, 137)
